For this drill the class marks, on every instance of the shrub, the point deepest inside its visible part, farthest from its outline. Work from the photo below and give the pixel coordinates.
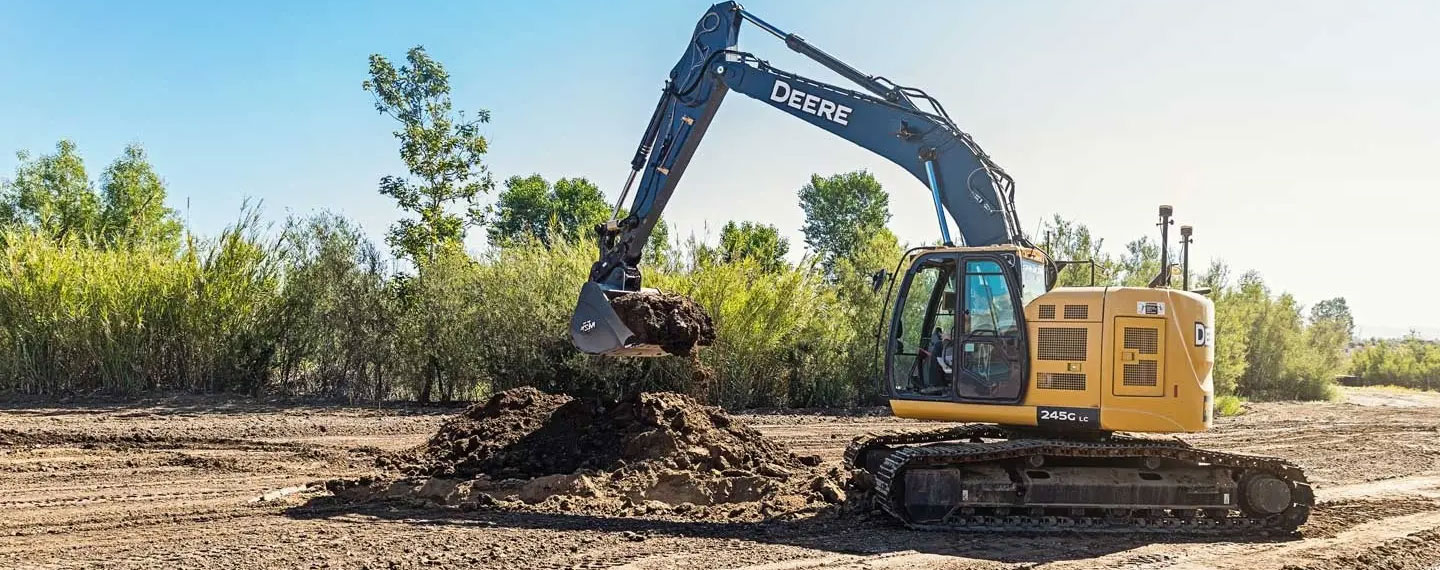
(1229, 405)
(81, 318)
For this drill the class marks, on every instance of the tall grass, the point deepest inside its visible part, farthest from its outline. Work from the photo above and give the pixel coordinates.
(314, 309)
(78, 318)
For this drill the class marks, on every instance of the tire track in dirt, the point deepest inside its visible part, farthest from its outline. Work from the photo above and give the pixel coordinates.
(147, 487)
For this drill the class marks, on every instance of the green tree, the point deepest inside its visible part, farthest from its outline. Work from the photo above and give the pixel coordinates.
(1072, 241)
(750, 240)
(1140, 263)
(842, 212)
(1235, 312)
(133, 198)
(443, 150)
(441, 147)
(1329, 332)
(1334, 314)
(531, 208)
(51, 193)
(1411, 361)
(863, 308)
(659, 252)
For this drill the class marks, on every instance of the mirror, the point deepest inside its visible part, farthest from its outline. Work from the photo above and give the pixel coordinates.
(877, 280)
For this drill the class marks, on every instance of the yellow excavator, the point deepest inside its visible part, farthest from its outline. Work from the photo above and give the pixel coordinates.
(1046, 382)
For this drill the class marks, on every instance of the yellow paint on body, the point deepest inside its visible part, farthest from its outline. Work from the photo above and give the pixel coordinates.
(1132, 337)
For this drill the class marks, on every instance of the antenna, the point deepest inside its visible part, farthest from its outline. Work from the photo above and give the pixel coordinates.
(1163, 280)
(1185, 241)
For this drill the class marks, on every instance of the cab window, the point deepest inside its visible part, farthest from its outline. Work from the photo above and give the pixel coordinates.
(988, 306)
(1032, 281)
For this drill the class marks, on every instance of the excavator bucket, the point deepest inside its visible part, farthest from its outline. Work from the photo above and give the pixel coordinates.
(643, 323)
(596, 328)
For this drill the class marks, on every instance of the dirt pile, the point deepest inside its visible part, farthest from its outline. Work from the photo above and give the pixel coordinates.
(651, 453)
(672, 321)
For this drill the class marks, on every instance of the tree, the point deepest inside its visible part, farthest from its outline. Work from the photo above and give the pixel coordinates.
(750, 240)
(842, 211)
(1411, 361)
(1330, 331)
(336, 317)
(1334, 313)
(659, 252)
(133, 198)
(530, 208)
(443, 151)
(51, 193)
(1071, 241)
(862, 308)
(1236, 312)
(1216, 276)
(1140, 263)
(441, 148)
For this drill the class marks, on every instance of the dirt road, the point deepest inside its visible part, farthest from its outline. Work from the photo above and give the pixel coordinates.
(207, 484)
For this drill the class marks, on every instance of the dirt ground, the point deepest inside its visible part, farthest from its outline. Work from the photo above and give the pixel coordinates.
(203, 483)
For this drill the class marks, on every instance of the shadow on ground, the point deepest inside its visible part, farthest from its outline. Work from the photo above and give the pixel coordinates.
(866, 535)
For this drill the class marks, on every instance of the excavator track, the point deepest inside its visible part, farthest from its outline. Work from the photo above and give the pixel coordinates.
(889, 456)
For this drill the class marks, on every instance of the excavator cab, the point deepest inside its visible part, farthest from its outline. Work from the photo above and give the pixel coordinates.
(956, 332)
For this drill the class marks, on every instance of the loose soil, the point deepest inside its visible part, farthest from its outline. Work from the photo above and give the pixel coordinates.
(674, 322)
(650, 453)
(221, 483)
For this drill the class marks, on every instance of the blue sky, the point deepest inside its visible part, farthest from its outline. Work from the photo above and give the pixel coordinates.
(1298, 137)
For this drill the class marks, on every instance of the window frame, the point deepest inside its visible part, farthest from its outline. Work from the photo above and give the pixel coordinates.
(1021, 335)
(961, 260)
(916, 265)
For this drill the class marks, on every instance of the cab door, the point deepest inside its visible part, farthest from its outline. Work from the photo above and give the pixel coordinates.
(991, 338)
(919, 345)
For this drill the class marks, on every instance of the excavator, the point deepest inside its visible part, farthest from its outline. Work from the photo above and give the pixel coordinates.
(1046, 391)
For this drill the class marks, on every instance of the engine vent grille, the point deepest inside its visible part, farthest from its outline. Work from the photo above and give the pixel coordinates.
(1047, 311)
(1061, 381)
(1141, 373)
(1146, 341)
(1061, 344)
(1077, 311)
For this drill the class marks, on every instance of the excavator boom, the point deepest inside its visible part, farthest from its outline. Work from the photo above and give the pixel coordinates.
(964, 182)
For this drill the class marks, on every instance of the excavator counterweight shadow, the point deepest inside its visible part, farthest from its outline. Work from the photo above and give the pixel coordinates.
(595, 328)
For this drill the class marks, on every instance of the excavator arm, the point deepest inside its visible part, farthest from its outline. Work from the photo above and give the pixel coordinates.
(889, 121)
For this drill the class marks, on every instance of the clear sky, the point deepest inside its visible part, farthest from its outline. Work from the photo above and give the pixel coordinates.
(1300, 138)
